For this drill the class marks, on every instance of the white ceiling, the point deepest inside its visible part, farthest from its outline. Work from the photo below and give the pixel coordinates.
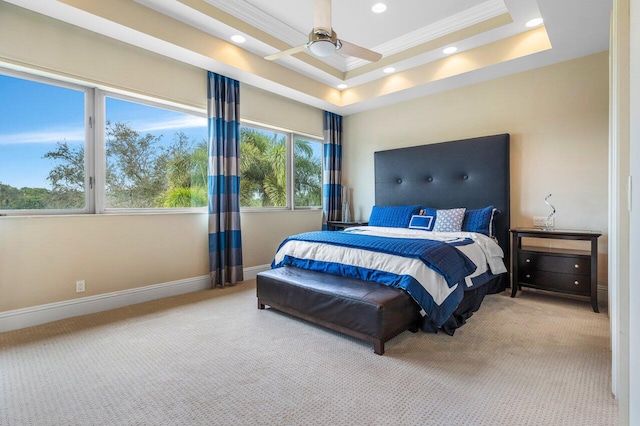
(410, 34)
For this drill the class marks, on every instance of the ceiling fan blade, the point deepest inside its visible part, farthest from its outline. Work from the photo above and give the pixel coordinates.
(359, 52)
(287, 52)
(322, 15)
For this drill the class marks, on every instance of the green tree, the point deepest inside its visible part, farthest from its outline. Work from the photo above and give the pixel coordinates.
(308, 175)
(136, 165)
(66, 177)
(140, 172)
(263, 169)
(186, 173)
(25, 198)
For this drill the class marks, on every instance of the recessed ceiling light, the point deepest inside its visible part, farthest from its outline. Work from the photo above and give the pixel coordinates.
(534, 22)
(449, 50)
(238, 38)
(342, 86)
(389, 70)
(378, 8)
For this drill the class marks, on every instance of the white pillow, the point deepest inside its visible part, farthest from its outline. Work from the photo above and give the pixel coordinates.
(449, 220)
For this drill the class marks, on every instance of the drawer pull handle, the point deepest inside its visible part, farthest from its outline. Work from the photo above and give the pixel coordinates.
(576, 282)
(528, 276)
(577, 266)
(528, 260)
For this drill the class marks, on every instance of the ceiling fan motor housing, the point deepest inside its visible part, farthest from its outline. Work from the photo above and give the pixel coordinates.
(322, 43)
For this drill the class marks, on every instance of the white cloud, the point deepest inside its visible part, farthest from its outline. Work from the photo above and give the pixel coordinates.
(44, 136)
(185, 122)
(53, 135)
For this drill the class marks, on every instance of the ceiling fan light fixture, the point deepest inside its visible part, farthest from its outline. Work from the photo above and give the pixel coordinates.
(378, 8)
(322, 48)
(533, 22)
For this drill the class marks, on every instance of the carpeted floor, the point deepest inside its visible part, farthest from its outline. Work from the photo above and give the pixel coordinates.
(212, 358)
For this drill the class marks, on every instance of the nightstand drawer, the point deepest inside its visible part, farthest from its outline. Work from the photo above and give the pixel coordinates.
(571, 270)
(554, 263)
(565, 283)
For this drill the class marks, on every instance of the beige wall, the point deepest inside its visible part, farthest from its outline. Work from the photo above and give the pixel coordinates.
(42, 257)
(557, 117)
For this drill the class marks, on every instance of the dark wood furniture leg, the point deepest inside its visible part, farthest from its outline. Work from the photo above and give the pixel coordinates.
(594, 274)
(378, 347)
(515, 245)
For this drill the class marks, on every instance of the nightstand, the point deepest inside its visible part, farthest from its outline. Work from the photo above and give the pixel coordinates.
(336, 225)
(568, 271)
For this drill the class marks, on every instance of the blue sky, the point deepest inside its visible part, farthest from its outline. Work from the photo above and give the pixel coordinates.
(35, 116)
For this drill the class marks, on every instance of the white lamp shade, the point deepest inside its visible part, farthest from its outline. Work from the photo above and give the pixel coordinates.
(322, 48)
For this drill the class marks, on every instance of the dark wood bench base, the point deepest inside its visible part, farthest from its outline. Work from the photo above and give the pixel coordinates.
(368, 311)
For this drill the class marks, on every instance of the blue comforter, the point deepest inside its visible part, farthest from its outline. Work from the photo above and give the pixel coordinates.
(439, 256)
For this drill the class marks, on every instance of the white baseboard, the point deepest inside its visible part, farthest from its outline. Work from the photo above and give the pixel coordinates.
(251, 272)
(41, 314)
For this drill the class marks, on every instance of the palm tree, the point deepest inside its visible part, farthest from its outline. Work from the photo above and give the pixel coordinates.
(263, 162)
(308, 175)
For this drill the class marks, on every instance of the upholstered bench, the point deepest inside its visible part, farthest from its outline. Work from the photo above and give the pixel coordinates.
(365, 310)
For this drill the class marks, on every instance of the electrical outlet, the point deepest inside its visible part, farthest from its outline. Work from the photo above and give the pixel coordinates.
(541, 222)
(80, 286)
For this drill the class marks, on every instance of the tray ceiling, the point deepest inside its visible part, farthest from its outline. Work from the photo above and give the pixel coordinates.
(491, 38)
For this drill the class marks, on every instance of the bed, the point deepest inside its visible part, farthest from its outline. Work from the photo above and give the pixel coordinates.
(432, 180)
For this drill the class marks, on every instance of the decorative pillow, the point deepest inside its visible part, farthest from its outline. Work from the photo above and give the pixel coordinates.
(449, 220)
(392, 216)
(480, 221)
(428, 211)
(425, 223)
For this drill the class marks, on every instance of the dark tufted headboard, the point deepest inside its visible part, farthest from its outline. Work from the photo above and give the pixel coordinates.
(472, 173)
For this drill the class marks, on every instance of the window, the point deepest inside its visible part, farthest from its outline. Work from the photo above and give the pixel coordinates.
(65, 148)
(307, 164)
(154, 157)
(43, 146)
(276, 172)
(263, 168)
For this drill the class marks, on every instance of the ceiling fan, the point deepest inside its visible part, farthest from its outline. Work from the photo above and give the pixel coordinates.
(323, 41)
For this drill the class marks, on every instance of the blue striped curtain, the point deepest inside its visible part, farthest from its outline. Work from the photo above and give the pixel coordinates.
(331, 186)
(225, 240)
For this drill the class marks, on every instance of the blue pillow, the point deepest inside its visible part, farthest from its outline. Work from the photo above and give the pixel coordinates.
(480, 221)
(422, 222)
(392, 216)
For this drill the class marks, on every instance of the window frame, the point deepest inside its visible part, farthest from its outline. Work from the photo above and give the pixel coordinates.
(95, 145)
(101, 150)
(89, 145)
(314, 139)
(95, 148)
(290, 165)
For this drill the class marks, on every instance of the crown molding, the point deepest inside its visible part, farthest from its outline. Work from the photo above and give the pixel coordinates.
(466, 18)
(283, 31)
